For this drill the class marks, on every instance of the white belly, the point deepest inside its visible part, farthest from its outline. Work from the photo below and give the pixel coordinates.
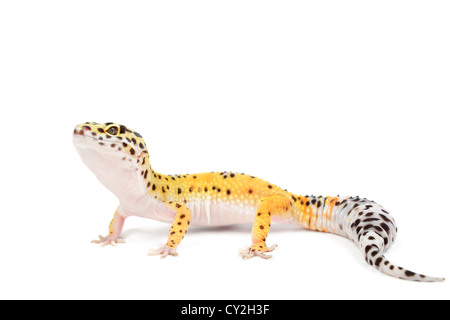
(220, 213)
(204, 212)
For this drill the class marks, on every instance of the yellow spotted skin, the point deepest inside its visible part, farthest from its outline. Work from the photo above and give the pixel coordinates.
(223, 186)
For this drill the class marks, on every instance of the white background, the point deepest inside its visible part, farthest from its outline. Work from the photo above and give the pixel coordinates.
(319, 97)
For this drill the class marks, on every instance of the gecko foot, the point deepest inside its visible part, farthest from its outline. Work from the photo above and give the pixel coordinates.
(164, 251)
(255, 251)
(104, 241)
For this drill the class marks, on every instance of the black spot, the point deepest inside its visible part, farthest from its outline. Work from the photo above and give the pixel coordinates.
(313, 201)
(182, 216)
(134, 140)
(385, 227)
(137, 134)
(356, 223)
(269, 186)
(371, 219)
(141, 145)
(153, 187)
(132, 151)
(179, 190)
(378, 229)
(232, 175)
(409, 273)
(378, 261)
(250, 191)
(228, 191)
(101, 130)
(145, 174)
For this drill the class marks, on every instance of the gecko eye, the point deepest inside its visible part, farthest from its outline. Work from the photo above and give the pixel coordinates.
(113, 130)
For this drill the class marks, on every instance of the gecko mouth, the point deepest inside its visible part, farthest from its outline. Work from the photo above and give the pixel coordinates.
(81, 135)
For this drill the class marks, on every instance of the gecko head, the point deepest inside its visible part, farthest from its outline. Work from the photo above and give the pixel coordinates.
(110, 140)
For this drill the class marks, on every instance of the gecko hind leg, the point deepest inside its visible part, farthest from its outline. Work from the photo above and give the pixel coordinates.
(267, 207)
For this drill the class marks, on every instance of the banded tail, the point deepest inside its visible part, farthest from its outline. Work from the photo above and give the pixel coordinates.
(365, 222)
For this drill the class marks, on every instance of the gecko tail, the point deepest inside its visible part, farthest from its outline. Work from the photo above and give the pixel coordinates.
(372, 246)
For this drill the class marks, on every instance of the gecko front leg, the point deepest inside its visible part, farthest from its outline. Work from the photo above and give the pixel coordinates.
(115, 229)
(177, 231)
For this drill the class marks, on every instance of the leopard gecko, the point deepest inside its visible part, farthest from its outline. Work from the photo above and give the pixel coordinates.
(119, 158)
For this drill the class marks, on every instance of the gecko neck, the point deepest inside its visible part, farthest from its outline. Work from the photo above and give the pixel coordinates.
(126, 177)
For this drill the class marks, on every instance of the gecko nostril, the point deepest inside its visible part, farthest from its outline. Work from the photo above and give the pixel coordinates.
(86, 128)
